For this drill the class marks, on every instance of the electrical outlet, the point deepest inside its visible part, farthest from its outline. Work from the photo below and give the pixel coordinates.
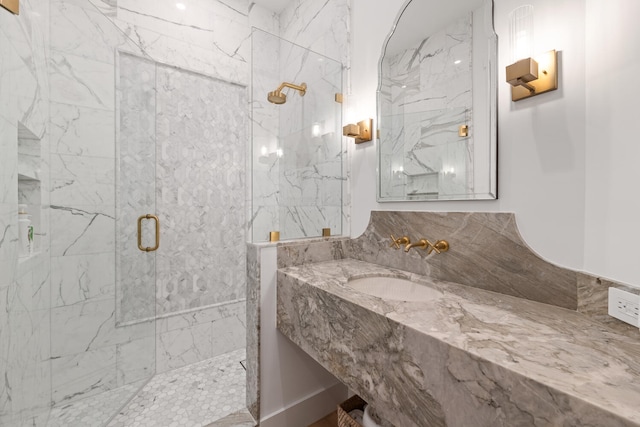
(625, 306)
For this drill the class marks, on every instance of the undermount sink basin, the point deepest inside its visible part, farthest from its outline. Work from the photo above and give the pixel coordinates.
(393, 288)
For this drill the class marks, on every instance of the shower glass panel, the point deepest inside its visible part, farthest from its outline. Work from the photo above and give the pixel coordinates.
(297, 145)
(65, 359)
(102, 94)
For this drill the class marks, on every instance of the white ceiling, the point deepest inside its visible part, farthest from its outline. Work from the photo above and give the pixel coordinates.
(275, 5)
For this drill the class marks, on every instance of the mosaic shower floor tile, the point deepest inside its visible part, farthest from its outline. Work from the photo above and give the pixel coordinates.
(211, 391)
(193, 396)
(93, 411)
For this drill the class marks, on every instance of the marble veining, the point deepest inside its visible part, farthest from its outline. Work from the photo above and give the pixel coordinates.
(253, 329)
(487, 252)
(467, 357)
(428, 92)
(298, 167)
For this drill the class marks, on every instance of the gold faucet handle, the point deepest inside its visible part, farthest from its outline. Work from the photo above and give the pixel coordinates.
(439, 247)
(395, 243)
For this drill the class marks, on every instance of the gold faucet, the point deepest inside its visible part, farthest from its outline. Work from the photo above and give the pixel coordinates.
(440, 246)
(395, 243)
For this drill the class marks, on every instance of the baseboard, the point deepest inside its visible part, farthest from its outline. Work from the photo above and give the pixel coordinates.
(308, 409)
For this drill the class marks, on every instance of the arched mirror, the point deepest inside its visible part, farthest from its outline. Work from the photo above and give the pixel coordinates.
(437, 103)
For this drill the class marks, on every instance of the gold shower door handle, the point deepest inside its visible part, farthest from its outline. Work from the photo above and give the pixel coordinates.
(157, 245)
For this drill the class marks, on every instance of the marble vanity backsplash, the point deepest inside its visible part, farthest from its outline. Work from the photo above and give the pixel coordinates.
(538, 349)
(486, 252)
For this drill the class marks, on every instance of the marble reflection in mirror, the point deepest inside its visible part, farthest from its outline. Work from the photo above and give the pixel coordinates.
(437, 100)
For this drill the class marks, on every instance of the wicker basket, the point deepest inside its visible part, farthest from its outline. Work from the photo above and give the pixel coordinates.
(344, 419)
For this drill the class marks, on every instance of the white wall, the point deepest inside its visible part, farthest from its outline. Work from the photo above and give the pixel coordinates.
(613, 152)
(542, 148)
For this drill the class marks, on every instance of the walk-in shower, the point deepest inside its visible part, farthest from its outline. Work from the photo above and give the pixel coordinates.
(297, 153)
(96, 131)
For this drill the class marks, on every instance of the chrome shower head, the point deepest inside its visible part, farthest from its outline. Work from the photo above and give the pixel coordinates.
(277, 97)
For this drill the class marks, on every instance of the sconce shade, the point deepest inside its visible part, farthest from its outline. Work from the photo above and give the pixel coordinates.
(521, 32)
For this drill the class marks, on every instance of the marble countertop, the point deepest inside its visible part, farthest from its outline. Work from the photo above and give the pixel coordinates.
(590, 366)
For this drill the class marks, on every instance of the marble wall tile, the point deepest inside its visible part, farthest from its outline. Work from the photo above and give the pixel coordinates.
(292, 141)
(82, 180)
(198, 316)
(8, 243)
(320, 26)
(264, 19)
(135, 360)
(196, 335)
(228, 334)
(222, 54)
(80, 81)
(82, 30)
(178, 348)
(80, 131)
(25, 353)
(82, 277)
(83, 374)
(82, 326)
(82, 230)
(24, 283)
(200, 176)
(8, 162)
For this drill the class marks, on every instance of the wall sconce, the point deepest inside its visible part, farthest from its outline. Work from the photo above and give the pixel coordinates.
(361, 132)
(528, 76)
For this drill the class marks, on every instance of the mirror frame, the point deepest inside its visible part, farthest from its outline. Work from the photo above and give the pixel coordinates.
(492, 83)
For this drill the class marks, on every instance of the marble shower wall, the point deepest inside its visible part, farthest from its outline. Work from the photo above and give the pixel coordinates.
(299, 156)
(91, 352)
(92, 41)
(25, 282)
(181, 145)
(428, 93)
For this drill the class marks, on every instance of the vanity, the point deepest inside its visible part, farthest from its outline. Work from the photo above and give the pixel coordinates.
(500, 337)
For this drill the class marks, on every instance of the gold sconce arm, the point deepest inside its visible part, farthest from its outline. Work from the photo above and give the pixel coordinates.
(361, 131)
(533, 76)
